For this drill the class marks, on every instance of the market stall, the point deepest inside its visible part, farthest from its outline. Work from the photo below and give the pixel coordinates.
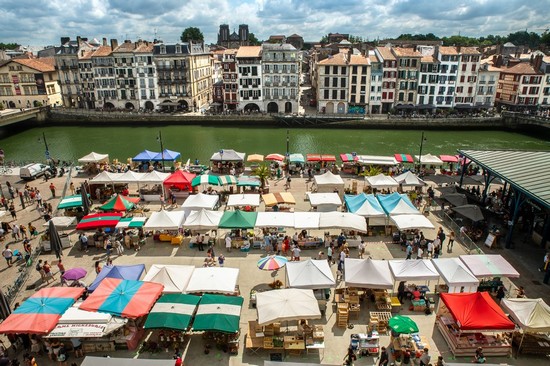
(195, 202)
(366, 205)
(243, 200)
(403, 158)
(238, 221)
(329, 182)
(131, 222)
(342, 221)
(95, 360)
(324, 202)
(101, 220)
(40, 313)
(124, 272)
(275, 220)
(409, 179)
(179, 183)
(383, 161)
(286, 304)
(310, 274)
(166, 155)
(145, 156)
(166, 225)
(413, 270)
(221, 280)
(226, 159)
(490, 266)
(278, 200)
(174, 278)
(381, 181)
(457, 277)
(120, 203)
(397, 204)
(62, 223)
(533, 317)
(428, 159)
(350, 163)
(409, 222)
(172, 311)
(94, 157)
(306, 220)
(368, 273)
(296, 163)
(203, 220)
(471, 320)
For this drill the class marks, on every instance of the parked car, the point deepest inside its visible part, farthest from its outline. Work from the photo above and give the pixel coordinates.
(32, 171)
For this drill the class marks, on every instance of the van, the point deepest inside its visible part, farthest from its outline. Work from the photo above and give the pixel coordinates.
(32, 171)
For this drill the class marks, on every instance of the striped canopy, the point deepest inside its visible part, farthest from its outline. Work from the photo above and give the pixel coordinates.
(40, 313)
(272, 199)
(404, 158)
(125, 298)
(120, 203)
(131, 222)
(172, 311)
(205, 179)
(346, 158)
(227, 180)
(218, 313)
(94, 221)
(71, 201)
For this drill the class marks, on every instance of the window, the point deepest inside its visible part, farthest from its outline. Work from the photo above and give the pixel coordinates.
(343, 82)
(327, 82)
(474, 66)
(327, 69)
(334, 82)
(335, 70)
(326, 94)
(464, 67)
(342, 94)
(411, 97)
(334, 94)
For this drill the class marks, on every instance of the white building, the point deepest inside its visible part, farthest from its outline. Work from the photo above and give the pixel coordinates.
(389, 77)
(281, 77)
(448, 69)
(376, 81)
(467, 76)
(104, 77)
(487, 78)
(249, 74)
(146, 76)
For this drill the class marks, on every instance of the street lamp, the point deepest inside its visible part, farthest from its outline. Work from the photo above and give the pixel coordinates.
(220, 170)
(422, 139)
(47, 151)
(159, 139)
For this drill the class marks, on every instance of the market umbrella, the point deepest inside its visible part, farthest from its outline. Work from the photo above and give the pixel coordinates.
(439, 178)
(472, 212)
(55, 240)
(403, 324)
(85, 200)
(75, 274)
(255, 158)
(286, 304)
(120, 203)
(226, 180)
(205, 179)
(272, 262)
(275, 157)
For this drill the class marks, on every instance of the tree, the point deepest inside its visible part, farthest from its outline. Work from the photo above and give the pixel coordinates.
(263, 173)
(253, 40)
(8, 46)
(192, 34)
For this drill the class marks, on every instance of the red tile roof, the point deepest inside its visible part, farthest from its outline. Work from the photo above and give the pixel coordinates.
(42, 64)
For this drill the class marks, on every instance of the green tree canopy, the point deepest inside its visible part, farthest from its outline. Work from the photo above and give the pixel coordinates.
(8, 46)
(253, 40)
(192, 34)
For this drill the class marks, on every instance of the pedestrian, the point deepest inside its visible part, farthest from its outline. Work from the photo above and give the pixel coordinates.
(48, 275)
(341, 260)
(330, 251)
(437, 247)
(349, 357)
(361, 249)
(97, 267)
(52, 189)
(520, 293)
(40, 270)
(409, 250)
(440, 361)
(441, 236)
(107, 245)
(38, 198)
(13, 213)
(401, 291)
(419, 253)
(83, 242)
(61, 267)
(288, 180)
(296, 253)
(228, 242)
(8, 255)
(162, 203)
(425, 358)
(384, 358)
(15, 231)
(98, 194)
(479, 357)
(71, 187)
(77, 347)
(118, 247)
(221, 260)
(451, 241)
(500, 293)
(545, 260)
(23, 230)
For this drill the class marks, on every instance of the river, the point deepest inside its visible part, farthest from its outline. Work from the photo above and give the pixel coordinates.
(70, 143)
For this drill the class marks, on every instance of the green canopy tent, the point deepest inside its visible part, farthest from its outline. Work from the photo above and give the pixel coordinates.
(218, 313)
(131, 222)
(71, 201)
(205, 179)
(172, 311)
(238, 220)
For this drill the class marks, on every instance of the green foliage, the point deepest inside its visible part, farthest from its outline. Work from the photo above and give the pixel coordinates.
(371, 171)
(545, 39)
(263, 173)
(253, 40)
(192, 34)
(8, 46)
(532, 39)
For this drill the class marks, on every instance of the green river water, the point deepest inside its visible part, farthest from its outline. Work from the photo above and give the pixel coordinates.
(70, 143)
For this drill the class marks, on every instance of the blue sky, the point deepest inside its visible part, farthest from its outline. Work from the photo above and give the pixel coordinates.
(43, 22)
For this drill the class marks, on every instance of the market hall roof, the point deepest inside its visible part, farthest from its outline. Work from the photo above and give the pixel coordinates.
(518, 168)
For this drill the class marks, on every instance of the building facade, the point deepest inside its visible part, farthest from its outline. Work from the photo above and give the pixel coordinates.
(230, 80)
(389, 77)
(281, 77)
(376, 81)
(448, 59)
(486, 85)
(408, 69)
(467, 76)
(249, 76)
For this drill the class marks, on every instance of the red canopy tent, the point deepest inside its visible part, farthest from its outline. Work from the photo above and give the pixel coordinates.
(94, 221)
(40, 313)
(476, 311)
(313, 157)
(325, 157)
(180, 179)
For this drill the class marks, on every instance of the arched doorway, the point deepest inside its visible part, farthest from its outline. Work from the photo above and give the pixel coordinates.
(183, 105)
(251, 107)
(149, 105)
(288, 107)
(272, 107)
(36, 103)
(11, 104)
(341, 108)
(129, 105)
(329, 109)
(108, 105)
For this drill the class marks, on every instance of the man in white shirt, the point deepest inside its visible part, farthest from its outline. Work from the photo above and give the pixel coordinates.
(296, 252)
(361, 248)
(419, 253)
(228, 243)
(430, 249)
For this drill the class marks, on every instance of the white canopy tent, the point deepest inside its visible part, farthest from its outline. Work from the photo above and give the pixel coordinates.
(309, 274)
(154, 177)
(342, 220)
(62, 222)
(409, 179)
(532, 315)
(413, 270)
(286, 304)
(404, 222)
(242, 199)
(203, 220)
(94, 157)
(221, 280)
(381, 181)
(489, 265)
(228, 155)
(275, 219)
(325, 202)
(200, 200)
(367, 273)
(174, 277)
(456, 275)
(165, 220)
(77, 323)
(376, 160)
(306, 220)
(103, 178)
(429, 159)
(127, 177)
(328, 182)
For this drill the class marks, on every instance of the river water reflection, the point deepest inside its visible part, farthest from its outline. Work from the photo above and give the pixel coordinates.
(70, 143)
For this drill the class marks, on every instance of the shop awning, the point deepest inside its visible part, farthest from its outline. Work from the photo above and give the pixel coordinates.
(124, 272)
(347, 158)
(381, 181)
(243, 199)
(409, 179)
(145, 155)
(205, 179)
(311, 273)
(328, 179)
(404, 158)
(476, 311)
(286, 304)
(180, 179)
(342, 220)
(127, 177)
(203, 220)
(255, 158)
(455, 199)
(201, 200)
(95, 361)
(228, 155)
(120, 203)
(129, 299)
(272, 199)
(221, 280)
(274, 219)
(306, 220)
(131, 222)
(154, 177)
(172, 311)
(103, 178)
(397, 204)
(95, 221)
(275, 157)
(416, 221)
(227, 180)
(70, 201)
(313, 157)
(367, 273)
(218, 313)
(61, 222)
(40, 313)
(296, 158)
(455, 273)
(471, 212)
(238, 220)
(331, 198)
(377, 160)
(365, 205)
(173, 277)
(76, 323)
(94, 157)
(439, 178)
(448, 158)
(489, 265)
(429, 159)
(248, 182)
(166, 155)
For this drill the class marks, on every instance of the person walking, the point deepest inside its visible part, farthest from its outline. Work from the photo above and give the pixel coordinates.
(361, 249)
(228, 242)
(437, 247)
(441, 236)
(61, 267)
(48, 275)
(71, 187)
(451, 241)
(38, 199)
(39, 268)
(119, 248)
(8, 255)
(52, 189)
(15, 231)
(425, 358)
(13, 213)
(409, 251)
(221, 260)
(330, 252)
(296, 253)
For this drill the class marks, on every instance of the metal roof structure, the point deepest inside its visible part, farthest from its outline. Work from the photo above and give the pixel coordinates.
(526, 171)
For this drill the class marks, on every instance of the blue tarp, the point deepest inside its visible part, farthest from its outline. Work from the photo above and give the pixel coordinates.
(169, 155)
(131, 272)
(353, 202)
(364, 205)
(396, 203)
(145, 155)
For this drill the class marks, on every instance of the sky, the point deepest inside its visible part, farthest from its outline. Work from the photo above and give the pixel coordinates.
(43, 22)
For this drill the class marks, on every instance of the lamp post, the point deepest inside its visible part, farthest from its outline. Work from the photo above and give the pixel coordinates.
(287, 151)
(47, 151)
(159, 139)
(221, 162)
(422, 139)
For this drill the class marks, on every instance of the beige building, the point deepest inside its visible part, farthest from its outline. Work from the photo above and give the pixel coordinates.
(408, 70)
(389, 76)
(29, 82)
(468, 69)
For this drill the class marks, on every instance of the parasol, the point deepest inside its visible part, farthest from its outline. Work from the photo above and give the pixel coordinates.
(403, 324)
(272, 263)
(75, 274)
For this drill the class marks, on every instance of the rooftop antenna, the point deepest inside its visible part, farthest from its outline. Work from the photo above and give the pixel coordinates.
(155, 31)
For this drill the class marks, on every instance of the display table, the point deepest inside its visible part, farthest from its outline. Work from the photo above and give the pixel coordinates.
(366, 343)
(65, 242)
(310, 243)
(395, 305)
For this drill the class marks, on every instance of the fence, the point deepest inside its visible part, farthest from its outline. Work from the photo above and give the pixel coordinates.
(464, 239)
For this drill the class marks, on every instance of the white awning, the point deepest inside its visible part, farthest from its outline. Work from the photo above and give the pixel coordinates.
(316, 199)
(416, 221)
(275, 219)
(413, 270)
(213, 280)
(381, 181)
(306, 220)
(201, 200)
(429, 159)
(342, 220)
(243, 199)
(376, 160)
(94, 157)
(165, 220)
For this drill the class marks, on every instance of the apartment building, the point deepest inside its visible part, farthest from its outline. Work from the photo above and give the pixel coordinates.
(408, 69)
(428, 83)
(360, 84)
(377, 75)
(487, 78)
(87, 82)
(448, 59)
(389, 77)
(249, 76)
(104, 76)
(281, 76)
(200, 64)
(230, 82)
(29, 82)
(125, 72)
(467, 76)
(544, 97)
(145, 76)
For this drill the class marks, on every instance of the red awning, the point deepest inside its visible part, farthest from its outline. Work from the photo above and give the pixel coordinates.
(448, 158)
(476, 311)
(313, 157)
(404, 158)
(328, 158)
(180, 179)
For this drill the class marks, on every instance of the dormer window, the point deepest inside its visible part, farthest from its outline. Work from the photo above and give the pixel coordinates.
(178, 48)
(163, 50)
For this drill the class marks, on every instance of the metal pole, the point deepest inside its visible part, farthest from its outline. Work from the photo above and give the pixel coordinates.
(45, 142)
(287, 152)
(420, 155)
(161, 151)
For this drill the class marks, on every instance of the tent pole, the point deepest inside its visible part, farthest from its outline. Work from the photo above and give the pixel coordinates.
(520, 344)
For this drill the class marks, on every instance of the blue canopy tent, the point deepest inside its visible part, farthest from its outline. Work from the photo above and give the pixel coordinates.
(130, 272)
(145, 155)
(166, 155)
(397, 204)
(364, 205)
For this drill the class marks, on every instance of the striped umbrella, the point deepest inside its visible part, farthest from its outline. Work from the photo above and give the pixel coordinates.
(227, 180)
(272, 263)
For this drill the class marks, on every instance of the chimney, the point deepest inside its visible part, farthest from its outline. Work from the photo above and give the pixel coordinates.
(65, 40)
(538, 62)
(104, 43)
(78, 40)
(458, 48)
(114, 44)
(350, 53)
(499, 61)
